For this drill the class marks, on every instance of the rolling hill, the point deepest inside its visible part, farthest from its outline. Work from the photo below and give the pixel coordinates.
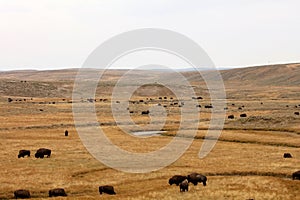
(59, 83)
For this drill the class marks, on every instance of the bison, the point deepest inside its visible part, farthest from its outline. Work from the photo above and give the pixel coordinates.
(296, 175)
(108, 189)
(208, 106)
(145, 112)
(23, 153)
(287, 155)
(40, 153)
(57, 192)
(177, 179)
(22, 194)
(296, 113)
(184, 186)
(66, 133)
(243, 115)
(230, 116)
(196, 178)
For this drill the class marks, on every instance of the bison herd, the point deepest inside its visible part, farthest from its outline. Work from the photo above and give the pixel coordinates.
(183, 181)
(179, 180)
(60, 192)
(40, 153)
(25, 194)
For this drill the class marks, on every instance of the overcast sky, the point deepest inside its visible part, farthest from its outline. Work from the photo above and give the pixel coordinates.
(61, 34)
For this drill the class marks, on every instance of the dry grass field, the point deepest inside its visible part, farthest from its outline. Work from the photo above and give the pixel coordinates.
(246, 163)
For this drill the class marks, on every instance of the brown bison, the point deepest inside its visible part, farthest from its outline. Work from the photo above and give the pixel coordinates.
(230, 116)
(296, 175)
(287, 155)
(66, 133)
(184, 186)
(145, 112)
(108, 189)
(22, 194)
(243, 115)
(40, 153)
(23, 153)
(196, 178)
(57, 192)
(208, 106)
(177, 179)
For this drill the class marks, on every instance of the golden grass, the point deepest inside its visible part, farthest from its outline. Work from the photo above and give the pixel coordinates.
(245, 164)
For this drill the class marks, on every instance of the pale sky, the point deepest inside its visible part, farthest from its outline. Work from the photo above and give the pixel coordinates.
(52, 34)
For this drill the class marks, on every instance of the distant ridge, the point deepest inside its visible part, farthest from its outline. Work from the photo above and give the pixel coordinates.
(267, 75)
(276, 75)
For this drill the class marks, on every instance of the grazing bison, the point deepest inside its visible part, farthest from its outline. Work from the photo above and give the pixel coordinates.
(177, 179)
(196, 178)
(108, 189)
(296, 175)
(208, 106)
(145, 112)
(230, 116)
(23, 153)
(22, 194)
(66, 133)
(184, 186)
(287, 155)
(40, 153)
(57, 192)
(243, 115)
(296, 113)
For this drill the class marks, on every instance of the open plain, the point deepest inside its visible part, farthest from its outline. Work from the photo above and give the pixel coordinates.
(246, 163)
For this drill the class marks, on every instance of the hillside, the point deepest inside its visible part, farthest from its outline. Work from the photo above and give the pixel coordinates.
(59, 83)
(270, 75)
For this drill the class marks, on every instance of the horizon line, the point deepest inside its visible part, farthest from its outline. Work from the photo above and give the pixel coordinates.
(175, 69)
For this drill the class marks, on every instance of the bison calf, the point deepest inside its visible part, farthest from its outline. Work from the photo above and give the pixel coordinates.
(177, 179)
(184, 186)
(40, 153)
(22, 194)
(108, 189)
(57, 192)
(296, 175)
(196, 178)
(23, 153)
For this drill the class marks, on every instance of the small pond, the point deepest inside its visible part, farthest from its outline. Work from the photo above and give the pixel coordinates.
(147, 133)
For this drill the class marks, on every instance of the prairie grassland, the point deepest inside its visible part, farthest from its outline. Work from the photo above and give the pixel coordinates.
(246, 162)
